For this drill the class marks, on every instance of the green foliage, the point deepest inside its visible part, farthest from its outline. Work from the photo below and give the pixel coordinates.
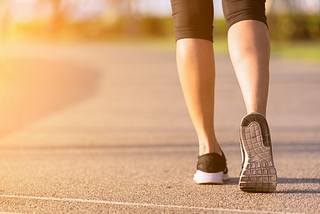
(286, 27)
(299, 50)
(220, 28)
(158, 27)
(98, 29)
(294, 27)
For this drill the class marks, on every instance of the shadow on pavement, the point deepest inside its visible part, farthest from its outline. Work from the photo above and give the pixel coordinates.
(33, 88)
(296, 147)
(298, 180)
(298, 191)
(234, 181)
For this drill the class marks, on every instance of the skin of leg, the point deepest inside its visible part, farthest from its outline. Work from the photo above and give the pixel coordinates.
(249, 48)
(196, 68)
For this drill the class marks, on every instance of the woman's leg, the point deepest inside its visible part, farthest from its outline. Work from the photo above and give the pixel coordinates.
(250, 52)
(249, 49)
(196, 67)
(195, 60)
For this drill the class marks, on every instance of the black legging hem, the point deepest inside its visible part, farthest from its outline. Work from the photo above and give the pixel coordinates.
(194, 35)
(194, 18)
(244, 19)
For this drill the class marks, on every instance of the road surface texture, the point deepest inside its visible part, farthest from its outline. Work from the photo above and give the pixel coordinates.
(103, 128)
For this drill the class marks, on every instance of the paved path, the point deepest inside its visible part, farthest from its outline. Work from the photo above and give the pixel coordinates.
(104, 129)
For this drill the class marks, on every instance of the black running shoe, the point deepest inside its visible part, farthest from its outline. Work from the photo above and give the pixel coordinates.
(211, 169)
(258, 172)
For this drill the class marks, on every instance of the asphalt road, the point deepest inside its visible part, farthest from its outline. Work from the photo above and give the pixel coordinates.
(103, 128)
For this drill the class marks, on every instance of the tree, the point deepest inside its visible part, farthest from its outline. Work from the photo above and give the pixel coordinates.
(56, 17)
(4, 19)
(123, 9)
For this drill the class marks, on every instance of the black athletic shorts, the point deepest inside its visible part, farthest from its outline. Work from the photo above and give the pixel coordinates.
(194, 18)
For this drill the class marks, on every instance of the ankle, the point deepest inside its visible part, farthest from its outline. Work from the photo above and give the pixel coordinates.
(257, 110)
(209, 148)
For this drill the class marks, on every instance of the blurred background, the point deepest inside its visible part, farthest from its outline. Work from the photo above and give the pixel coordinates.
(84, 19)
(147, 20)
(110, 19)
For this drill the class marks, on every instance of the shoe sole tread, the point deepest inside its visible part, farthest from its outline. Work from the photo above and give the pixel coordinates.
(258, 173)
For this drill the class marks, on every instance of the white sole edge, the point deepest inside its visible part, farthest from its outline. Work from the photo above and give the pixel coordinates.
(208, 178)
